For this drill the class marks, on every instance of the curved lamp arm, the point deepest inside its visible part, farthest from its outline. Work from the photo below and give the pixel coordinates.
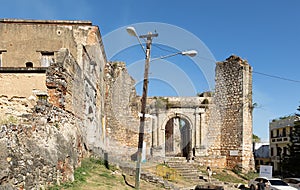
(131, 31)
(190, 53)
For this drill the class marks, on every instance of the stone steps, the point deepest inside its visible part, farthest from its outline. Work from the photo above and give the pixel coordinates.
(185, 169)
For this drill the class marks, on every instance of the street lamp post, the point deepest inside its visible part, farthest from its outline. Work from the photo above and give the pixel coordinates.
(149, 38)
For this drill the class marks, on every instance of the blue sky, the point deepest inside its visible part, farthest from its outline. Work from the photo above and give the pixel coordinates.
(266, 33)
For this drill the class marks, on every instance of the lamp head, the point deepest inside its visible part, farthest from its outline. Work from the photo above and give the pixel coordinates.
(131, 31)
(190, 53)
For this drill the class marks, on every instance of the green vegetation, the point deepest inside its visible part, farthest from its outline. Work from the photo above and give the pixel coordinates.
(248, 176)
(255, 138)
(96, 174)
(225, 176)
(292, 158)
(161, 103)
(281, 118)
(231, 176)
(80, 174)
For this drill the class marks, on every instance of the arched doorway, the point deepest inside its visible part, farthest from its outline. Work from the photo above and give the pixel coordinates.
(169, 137)
(185, 132)
(178, 137)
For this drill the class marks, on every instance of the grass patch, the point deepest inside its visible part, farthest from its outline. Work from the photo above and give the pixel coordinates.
(230, 176)
(225, 176)
(248, 176)
(95, 175)
(85, 171)
(107, 176)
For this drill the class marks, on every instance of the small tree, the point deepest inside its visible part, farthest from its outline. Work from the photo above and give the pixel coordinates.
(291, 161)
(255, 138)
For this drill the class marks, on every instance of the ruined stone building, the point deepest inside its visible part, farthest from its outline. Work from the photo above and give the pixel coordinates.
(51, 97)
(61, 100)
(213, 129)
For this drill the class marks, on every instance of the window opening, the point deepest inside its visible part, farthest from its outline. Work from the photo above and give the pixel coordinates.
(29, 64)
(272, 152)
(47, 59)
(1, 51)
(284, 132)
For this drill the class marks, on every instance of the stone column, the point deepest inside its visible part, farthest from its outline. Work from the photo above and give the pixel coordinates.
(154, 131)
(158, 131)
(202, 134)
(199, 127)
(156, 149)
(176, 136)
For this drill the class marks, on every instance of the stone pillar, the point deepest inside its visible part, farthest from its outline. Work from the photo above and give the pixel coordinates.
(199, 127)
(156, 149)
(158, 131)
(176, 135)
(154, 131)
(203, 126)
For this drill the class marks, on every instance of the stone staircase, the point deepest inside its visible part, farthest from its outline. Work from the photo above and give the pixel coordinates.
(186, 169)
(189, 171)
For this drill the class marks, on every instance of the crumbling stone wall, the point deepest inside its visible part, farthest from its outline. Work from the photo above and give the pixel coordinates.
(233, 99)
(39, 146)
(46, 146)
(71, 89)
(78, 84)
(121, 107)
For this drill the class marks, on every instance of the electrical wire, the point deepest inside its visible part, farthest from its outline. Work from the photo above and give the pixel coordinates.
(164, 49)
(277, 77)
(264, 74)
(153, 44)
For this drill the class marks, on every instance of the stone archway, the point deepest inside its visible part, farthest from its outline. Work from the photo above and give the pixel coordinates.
(180, 129)
(178, 137)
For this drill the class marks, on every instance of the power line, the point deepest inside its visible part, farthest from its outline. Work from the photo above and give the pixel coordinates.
(277, 77)
(170, 51)
(264, 74)
(164, 49)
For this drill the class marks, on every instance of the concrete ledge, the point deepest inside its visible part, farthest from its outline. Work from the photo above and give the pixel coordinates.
(23, 69)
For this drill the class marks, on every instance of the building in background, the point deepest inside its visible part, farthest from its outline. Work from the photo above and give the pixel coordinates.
(280, 132)
(261, 154)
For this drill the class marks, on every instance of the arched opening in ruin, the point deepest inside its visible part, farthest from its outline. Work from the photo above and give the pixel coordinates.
(169, 136)
(185, 132)
(178, 137)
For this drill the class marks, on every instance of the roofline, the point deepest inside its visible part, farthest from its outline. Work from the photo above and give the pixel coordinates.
(56, 22)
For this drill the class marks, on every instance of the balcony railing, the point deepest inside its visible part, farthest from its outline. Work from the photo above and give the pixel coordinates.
(280, 139)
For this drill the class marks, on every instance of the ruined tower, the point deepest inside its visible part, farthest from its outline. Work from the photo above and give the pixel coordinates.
(233, 98)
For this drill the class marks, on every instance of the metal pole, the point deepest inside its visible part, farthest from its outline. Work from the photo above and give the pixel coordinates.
(143, 110)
